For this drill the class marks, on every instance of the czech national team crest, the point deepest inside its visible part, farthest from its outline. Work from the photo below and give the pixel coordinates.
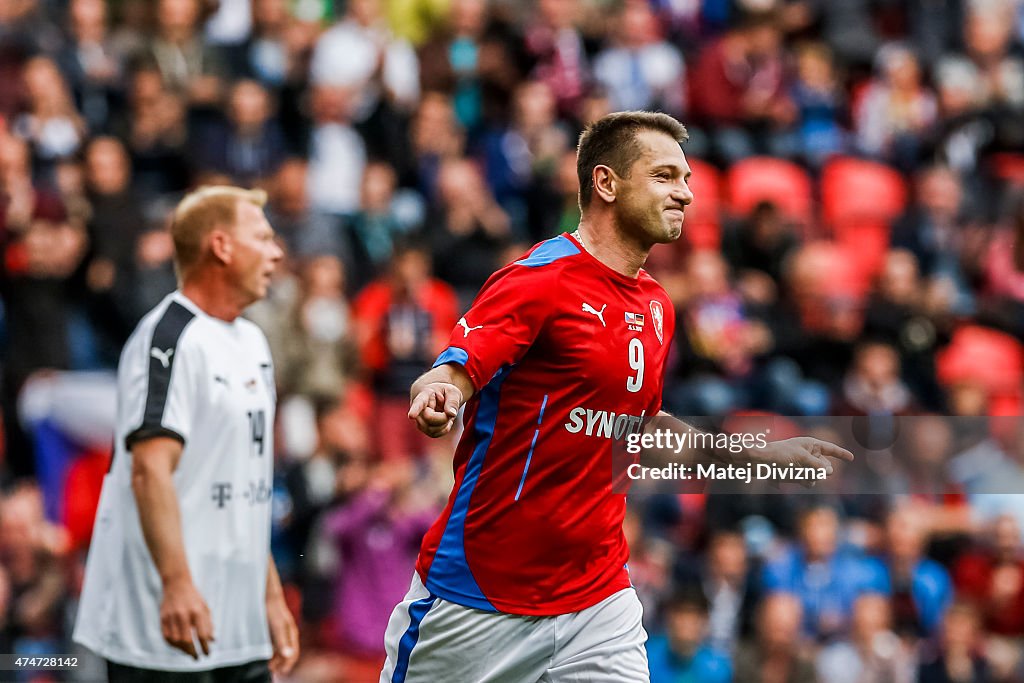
(658, 314)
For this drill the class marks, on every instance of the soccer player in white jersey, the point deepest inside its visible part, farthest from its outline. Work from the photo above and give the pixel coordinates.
(179, 583)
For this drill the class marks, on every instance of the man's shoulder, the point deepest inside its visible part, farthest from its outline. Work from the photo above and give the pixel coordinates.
(551, 253)
(170, 316)
(340, 31)
(657, 293)
(712, 664)
(437, 290)
(932, 572)
(255, 336)
(158, 345)
(538, 268)
(166, 328)
(251, 329)
(784, 563)
(650, 281)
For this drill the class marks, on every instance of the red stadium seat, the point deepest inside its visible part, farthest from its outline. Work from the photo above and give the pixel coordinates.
(866, 242)
(855, 190)
(758, 179)
(985, 356)
(1005, 405)
(1008, 167)
(830, 270)
(702, 228)
(995, 361)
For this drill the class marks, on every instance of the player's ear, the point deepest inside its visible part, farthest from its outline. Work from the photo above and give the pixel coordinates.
(221, 245)
(605, 183)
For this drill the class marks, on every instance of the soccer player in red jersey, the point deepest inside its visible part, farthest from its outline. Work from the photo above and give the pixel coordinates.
(523, 577)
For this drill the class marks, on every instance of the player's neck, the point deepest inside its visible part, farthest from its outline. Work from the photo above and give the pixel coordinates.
(213, 297)
(612, 248)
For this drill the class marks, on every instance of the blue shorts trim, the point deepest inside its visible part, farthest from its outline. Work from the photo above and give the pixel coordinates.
(417, 611)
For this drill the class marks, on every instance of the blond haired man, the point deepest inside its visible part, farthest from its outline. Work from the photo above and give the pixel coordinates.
(179, 584)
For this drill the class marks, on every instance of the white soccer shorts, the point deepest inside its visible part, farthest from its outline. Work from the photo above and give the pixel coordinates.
(430, 640)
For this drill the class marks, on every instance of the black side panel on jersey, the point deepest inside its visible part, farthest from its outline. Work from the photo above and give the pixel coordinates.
(161, 363)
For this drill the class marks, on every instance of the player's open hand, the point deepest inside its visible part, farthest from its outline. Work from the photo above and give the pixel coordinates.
(434, 409)
(185, 618)
(284, 634)
(801, 451)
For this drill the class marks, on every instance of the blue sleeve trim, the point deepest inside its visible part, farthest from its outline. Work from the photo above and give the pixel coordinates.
(452, 354)
(549, 251)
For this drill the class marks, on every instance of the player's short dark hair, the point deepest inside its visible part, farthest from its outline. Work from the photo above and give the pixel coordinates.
(611, 141)
(688, 598)
(814, 507)
(756, 19)
(410, 245)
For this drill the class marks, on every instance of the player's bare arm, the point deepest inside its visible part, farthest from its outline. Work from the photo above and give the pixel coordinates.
(435, 398)
(184, 615)
(284, 634)
(800, 451)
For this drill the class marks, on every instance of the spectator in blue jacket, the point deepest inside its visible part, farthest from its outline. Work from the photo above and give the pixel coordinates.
(681, 654)
(921, 587)
(826, 578)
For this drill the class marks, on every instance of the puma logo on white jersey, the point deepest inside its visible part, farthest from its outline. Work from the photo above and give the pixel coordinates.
(587, 308)
(467, 328)
(163, 356)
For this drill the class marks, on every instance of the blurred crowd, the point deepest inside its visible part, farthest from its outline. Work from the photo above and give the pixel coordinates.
(852, 250)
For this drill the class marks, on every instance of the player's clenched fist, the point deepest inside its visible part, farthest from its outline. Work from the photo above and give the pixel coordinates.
(185, 618)
(435, 407)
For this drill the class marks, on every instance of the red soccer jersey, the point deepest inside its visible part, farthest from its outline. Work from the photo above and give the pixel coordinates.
(565, 354)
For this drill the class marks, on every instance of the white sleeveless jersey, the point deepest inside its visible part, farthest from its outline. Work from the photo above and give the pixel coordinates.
(209, 384)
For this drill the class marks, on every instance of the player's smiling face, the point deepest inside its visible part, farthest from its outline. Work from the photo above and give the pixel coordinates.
(256, 252)
(651, 200)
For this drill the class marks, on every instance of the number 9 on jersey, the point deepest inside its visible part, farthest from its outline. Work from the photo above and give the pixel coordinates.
(636, 361)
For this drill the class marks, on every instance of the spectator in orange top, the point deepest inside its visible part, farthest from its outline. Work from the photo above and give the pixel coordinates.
(404, 320)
